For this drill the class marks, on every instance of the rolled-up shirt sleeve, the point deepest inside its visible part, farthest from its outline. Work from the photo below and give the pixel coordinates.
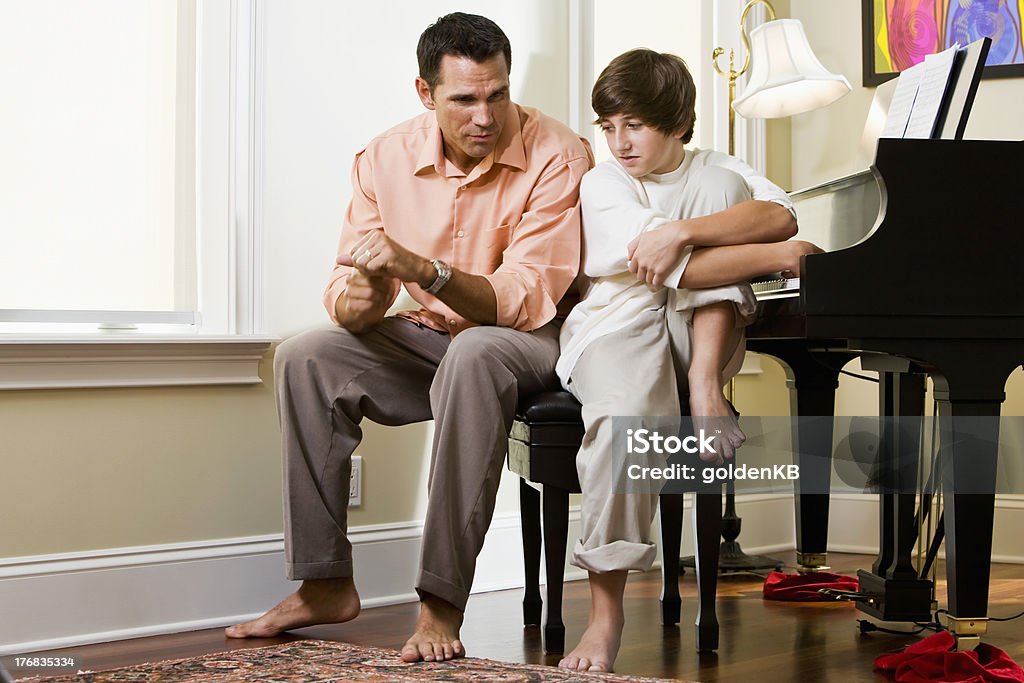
(542, 258)
(361, 216)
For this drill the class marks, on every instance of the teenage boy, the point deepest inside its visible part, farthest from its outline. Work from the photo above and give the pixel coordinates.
(667, 231)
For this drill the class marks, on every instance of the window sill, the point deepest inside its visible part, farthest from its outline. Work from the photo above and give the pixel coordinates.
(77, 362)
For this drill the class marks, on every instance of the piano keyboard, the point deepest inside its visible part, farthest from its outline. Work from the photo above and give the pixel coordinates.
(777, 288)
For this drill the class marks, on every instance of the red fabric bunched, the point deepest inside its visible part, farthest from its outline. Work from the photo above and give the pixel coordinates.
(932, 660)
(804, 587)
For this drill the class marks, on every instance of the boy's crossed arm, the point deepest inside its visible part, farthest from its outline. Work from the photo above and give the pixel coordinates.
(741, 242)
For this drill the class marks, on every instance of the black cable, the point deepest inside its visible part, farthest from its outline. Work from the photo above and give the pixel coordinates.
(1015, 616)
(1006, 619)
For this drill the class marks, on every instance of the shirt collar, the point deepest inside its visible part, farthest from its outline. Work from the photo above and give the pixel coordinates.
(509, 151)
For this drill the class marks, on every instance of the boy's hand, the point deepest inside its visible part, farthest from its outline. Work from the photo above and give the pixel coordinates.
(654, 254)
(793, 251)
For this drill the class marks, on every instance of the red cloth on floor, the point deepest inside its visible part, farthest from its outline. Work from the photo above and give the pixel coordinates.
(804, 587)
(931, 660)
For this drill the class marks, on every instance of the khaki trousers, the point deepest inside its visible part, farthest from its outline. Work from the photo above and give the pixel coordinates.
(641, 370)
(328, 380)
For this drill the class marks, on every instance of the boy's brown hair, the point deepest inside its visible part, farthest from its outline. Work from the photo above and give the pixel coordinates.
(655, 87)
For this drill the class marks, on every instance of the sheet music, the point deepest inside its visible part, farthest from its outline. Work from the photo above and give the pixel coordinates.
(918, 99)
(902, 103)
(931, 93)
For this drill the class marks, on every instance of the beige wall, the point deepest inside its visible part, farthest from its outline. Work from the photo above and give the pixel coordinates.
(106, 468)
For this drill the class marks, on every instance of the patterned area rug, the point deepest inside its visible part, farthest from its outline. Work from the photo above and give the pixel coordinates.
(319, 661)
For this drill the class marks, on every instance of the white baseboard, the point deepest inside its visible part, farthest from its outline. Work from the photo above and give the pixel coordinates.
(58, 601)
(853, 526)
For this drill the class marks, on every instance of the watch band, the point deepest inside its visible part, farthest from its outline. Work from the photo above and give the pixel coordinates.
(444, 274)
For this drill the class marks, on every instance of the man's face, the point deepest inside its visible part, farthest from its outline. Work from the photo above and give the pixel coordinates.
(640, 148)
(470, 101)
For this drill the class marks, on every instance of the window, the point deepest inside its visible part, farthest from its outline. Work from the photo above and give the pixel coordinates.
(128, 170)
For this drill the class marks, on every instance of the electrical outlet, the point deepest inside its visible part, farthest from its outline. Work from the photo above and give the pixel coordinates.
(355, 482)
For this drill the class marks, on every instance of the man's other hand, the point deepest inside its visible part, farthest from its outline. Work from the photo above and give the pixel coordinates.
(377, 255)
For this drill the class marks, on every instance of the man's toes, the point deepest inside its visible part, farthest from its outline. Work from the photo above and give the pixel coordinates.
(410, 653)
(449, 651)
(583, 665)
(569, 662)
(458, 648)
(427, 652)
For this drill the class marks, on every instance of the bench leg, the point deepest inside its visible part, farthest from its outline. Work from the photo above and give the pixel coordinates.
(671, 535)
(707, 522)
(556, 533)
(529, 516)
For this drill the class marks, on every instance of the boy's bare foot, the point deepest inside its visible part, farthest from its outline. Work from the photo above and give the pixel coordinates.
(712, 413)
(597, 648)
(437, 633)
(318, 601)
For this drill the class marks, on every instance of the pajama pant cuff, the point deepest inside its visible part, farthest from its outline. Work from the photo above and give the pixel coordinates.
(615, 556)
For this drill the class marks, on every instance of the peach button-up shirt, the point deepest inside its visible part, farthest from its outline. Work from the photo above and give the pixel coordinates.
(514, 219)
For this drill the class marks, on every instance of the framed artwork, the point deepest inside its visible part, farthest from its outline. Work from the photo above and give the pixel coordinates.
(899, 33)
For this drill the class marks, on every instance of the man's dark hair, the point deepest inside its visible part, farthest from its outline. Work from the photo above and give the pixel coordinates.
(655, 87)
(460, 35)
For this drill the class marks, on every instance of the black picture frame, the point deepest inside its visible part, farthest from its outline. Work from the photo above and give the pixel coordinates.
(873, 77)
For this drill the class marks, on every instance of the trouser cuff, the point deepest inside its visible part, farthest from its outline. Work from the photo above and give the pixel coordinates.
(441, 588)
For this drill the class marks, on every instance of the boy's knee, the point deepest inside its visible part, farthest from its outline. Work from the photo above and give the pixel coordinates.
(719, 188)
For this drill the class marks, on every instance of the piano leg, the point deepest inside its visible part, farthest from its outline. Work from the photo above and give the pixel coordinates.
(812, 378)
(968, 461)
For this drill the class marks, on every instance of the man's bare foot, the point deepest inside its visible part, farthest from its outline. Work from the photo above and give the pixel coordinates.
(437, 633)
(318, 601)
(597, 648)
(712, 413)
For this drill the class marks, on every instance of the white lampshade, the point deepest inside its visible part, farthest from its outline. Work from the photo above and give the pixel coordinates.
(785, 76)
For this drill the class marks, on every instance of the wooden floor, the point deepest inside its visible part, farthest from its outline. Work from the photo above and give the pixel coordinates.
(760, 640)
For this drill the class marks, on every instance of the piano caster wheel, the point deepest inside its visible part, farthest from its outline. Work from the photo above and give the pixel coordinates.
(808, 563)
(966, 643)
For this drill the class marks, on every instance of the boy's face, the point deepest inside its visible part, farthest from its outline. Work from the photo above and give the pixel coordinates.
(640, 148)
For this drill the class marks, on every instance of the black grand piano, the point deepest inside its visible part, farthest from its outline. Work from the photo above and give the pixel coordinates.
(921, 281)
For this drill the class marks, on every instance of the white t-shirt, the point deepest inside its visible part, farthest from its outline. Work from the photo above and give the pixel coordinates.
(616, 209)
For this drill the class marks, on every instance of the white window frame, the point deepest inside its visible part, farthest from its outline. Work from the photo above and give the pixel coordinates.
(230, 242)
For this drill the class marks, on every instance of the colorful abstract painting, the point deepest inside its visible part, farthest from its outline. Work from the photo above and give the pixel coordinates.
(899, 33)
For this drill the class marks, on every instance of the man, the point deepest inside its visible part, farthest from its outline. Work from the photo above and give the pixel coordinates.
(474, 206)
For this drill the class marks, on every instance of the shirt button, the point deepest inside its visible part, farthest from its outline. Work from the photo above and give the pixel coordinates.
(453, 323)
(460, 234)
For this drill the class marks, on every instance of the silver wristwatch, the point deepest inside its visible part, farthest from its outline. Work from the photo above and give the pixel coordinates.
(444, 274)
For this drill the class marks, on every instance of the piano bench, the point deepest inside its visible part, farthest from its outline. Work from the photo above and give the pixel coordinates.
(545, 438)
